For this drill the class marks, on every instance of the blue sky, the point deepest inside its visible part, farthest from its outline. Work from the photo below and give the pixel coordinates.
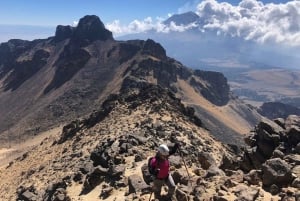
(54, 12)
(51, 13)
(120, 16)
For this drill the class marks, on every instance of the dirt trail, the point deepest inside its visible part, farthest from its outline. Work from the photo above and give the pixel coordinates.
(17, 149)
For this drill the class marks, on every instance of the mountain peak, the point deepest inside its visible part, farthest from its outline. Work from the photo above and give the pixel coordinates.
(154, 49)
(91, 28)
(183, 19)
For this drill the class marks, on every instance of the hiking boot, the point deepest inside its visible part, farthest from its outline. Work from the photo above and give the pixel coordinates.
(171, 198)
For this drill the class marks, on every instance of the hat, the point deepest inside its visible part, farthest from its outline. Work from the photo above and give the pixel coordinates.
(163, 149)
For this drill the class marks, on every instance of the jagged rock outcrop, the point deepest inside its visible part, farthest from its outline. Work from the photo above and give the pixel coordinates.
(155, 49)
(63, 32)
(273, 150)
(89, 29)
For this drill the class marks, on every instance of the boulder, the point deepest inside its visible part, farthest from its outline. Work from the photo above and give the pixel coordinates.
(245, 193)
(60, 195)
(296, 171)
(206, 160)
(146, 174)
(179, 176)
(175, 161)
(293, 159)
(276, 171)
(253, 177)
(214, 171)
(28, 196)
(293, 135)
(136, 184)
(94, 178)
(106, 192)
(117, 171)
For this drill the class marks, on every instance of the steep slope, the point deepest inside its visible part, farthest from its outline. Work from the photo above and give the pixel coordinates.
(104, 156)
(225, 122)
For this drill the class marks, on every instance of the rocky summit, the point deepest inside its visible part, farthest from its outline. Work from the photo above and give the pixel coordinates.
(81, 113)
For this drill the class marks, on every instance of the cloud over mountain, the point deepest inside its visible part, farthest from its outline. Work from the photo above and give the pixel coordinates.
(147, 24)
(250, 20)
(253, 20)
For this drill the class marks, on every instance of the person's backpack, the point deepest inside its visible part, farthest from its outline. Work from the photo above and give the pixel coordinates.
(151, 169)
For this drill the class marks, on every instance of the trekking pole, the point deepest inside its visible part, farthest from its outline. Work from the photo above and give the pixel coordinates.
(184, 163)
(150, 196)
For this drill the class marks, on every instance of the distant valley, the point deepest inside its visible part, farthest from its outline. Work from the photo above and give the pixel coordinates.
(258, 85)
(256, 72)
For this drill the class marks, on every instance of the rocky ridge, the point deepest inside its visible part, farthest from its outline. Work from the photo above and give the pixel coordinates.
(69, 75)
(104, 156)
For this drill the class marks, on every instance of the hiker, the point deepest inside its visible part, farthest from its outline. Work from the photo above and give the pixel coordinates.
(160, 166)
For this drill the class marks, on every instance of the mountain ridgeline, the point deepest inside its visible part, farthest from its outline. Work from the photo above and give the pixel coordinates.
(111, 104)
(51, 81)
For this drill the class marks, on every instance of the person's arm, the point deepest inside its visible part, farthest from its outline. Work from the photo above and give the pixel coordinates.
(173, 148)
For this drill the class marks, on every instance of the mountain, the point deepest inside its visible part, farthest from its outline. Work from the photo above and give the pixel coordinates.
(188, 41)
(273, 110)
(49, 82)
(104, 156)
(183, 19)
(106, 105)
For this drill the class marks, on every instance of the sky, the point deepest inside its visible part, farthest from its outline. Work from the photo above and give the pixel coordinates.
(270, 20)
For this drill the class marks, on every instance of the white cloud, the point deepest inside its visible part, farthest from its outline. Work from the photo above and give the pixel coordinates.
(147, 24)
(75, 23)
(135, 26)
(250, 20)
(253, 20)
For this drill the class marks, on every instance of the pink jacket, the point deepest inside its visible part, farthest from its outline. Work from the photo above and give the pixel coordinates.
(162, 165)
